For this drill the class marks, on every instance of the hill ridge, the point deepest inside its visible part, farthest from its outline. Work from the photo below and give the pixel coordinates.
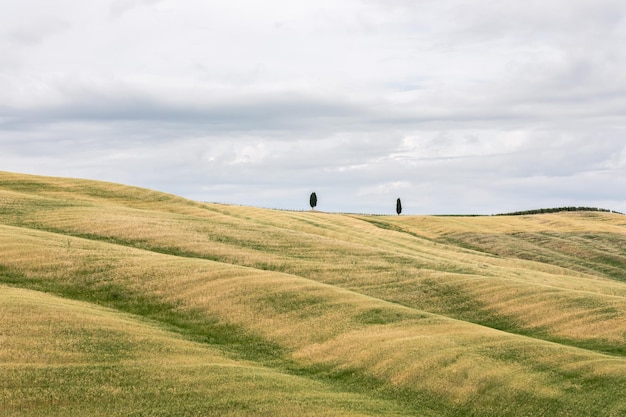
(389, 316)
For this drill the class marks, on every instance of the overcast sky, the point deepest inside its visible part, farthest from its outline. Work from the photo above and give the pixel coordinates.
(454, 106)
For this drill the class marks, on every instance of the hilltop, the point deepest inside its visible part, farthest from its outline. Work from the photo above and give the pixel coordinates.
(116, 300)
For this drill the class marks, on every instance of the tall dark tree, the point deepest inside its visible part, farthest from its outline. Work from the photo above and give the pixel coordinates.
(398, 206)
(313, 200)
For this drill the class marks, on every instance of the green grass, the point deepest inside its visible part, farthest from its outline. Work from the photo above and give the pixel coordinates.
(316, 313)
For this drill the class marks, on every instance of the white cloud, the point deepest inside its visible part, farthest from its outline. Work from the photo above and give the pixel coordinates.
(459, 106)
(120, 7)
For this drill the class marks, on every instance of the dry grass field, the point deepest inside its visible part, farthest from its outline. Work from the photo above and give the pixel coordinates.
(116, 300)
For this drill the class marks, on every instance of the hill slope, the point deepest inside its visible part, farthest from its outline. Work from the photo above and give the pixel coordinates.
(400, 315)
(61, 357)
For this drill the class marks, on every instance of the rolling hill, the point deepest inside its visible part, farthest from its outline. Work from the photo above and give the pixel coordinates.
(116, 300)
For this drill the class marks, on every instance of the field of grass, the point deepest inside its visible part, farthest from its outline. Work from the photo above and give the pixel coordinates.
(123, 301)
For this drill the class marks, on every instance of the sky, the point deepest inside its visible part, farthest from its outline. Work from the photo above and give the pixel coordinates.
(454, 106)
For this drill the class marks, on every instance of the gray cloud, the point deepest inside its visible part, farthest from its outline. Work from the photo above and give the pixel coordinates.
(455, 107)
(38, 30)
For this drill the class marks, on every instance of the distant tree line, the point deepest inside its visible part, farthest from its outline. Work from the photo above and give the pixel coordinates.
(556, 210)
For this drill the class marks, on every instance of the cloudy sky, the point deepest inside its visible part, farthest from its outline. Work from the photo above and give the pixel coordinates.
(454, 106)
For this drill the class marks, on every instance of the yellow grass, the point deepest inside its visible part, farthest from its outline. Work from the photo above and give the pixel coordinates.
(61, 357)
(385, 304)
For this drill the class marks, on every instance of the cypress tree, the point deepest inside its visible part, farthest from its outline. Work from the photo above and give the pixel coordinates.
(313, 200)
(398, 206)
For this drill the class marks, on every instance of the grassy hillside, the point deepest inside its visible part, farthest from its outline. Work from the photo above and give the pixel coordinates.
(61, 357)
(128, 295)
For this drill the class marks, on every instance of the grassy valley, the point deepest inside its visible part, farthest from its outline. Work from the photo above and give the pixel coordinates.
(116, 300)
